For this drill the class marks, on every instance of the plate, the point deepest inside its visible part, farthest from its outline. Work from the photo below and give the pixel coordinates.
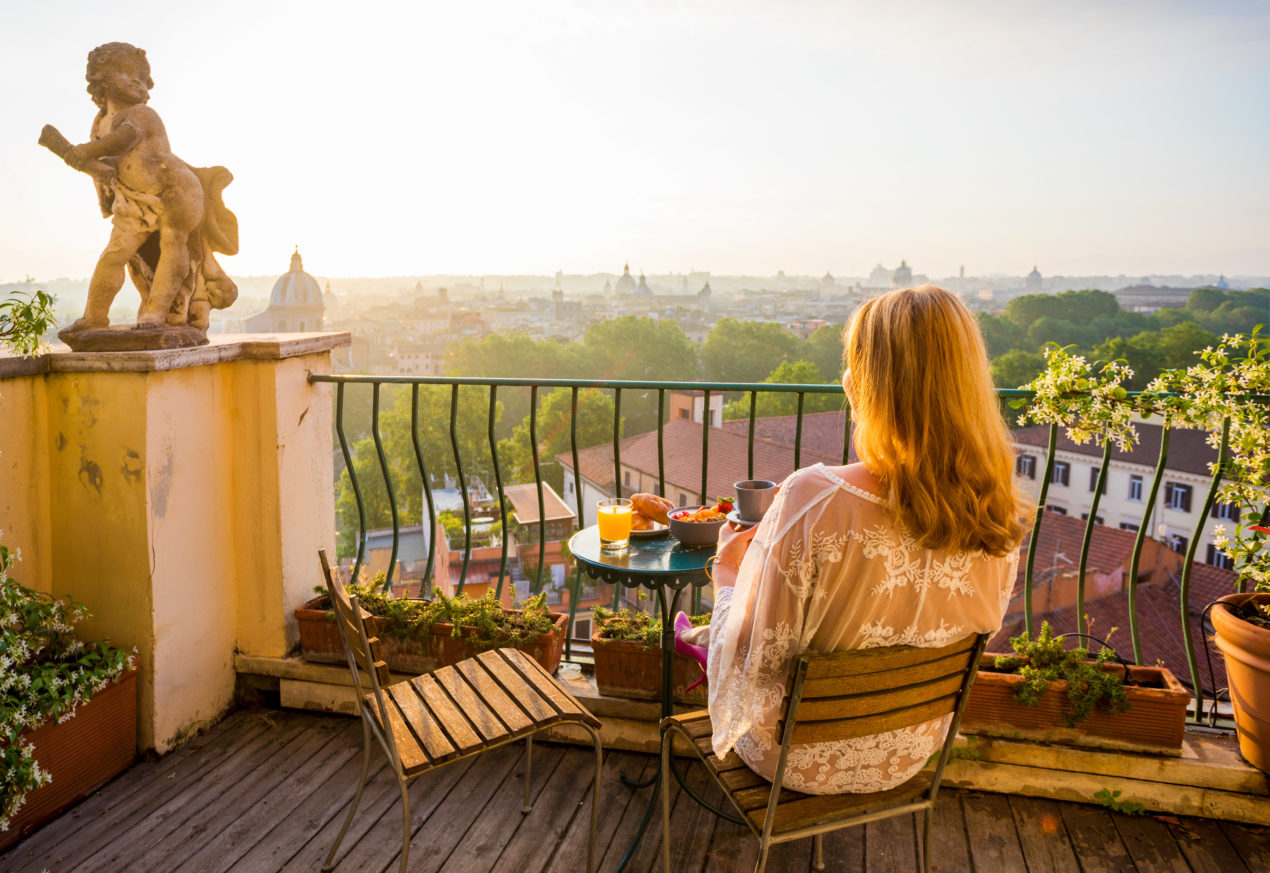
(735, 517)
(655, 531)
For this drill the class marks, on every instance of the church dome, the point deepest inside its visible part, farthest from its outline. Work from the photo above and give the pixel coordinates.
(625, 284)
(296, 287)
(642, 288)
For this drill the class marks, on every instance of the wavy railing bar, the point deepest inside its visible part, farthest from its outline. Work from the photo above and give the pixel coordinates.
(1036, 531)
(498, 484)
(1147, 511)
(427, 492)
(458, 464)
(352, 478)
(392, 495)
(1184, 594)
(1081, 621)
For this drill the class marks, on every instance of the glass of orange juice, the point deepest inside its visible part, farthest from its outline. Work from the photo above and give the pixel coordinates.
(614, 517)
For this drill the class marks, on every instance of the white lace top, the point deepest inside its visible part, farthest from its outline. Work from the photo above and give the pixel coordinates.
(828, 571)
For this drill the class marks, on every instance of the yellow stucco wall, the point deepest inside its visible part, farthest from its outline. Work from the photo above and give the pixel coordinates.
(183, 504)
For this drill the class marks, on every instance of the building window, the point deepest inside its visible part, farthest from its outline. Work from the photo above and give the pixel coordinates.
(1177, 496)
(1129, 526)
(1062, 473)
(1178, 543)
(1084, 516)
(1025, 465)
(1093, 480)
(1219, 558)
(683, 499)
(1226, 512)
(1057, 510)
(1135, 487)
(626, 477)
(582, 628)
(683, 413)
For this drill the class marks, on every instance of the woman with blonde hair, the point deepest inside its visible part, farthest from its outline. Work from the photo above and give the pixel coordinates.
(916, 544)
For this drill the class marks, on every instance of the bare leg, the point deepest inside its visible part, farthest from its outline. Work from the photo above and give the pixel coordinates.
(108, 277)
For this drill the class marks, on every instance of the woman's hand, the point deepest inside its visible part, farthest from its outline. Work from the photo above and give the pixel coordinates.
(734, 541)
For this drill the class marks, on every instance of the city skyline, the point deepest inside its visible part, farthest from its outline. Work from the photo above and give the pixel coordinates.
(739, 139)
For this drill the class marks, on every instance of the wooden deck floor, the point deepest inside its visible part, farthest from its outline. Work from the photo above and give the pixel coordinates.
(266, 791)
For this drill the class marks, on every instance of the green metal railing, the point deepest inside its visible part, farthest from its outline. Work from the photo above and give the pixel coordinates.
(620, 389)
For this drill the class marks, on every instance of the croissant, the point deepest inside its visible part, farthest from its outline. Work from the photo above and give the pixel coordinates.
(651, 506)
(639, 521)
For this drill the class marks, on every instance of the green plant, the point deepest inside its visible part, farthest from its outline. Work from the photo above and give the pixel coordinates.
(23, 322)
(1226, 393)
(1111, 800)
(489, 626)
(630, 624)
(45, 673)
(1044, 660)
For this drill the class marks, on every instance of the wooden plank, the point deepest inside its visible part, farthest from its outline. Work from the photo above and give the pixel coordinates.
(730, 761)
(879, 702)
(1095, 840)
(797, 811)
(253, 823)
(176, 837)
(628, 824)
(691, 824)
(994, 845)
(863, 661)
(948, 665)
(492, 693)
(546, 686)
(1206, 848)
(1042, 835)
(134, 793)
(539, 711)
(1252, 844)
(615, 797)
(493, 826)
(411, 754)
(431, 709)
(948, 848)
(892, 845)
(470, 703)
(830, 731)
(1151, 845)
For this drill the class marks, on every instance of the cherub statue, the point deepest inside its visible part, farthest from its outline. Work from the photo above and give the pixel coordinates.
(167, 217)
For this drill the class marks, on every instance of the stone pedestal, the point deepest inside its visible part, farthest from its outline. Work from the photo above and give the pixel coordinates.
(181, 495)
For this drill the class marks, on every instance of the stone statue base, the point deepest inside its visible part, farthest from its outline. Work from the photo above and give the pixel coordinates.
(131, 338)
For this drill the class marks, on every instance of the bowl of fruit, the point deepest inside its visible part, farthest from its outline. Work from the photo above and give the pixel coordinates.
(698, 526)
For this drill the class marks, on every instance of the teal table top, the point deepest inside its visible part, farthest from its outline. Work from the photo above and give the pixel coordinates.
(649, 561)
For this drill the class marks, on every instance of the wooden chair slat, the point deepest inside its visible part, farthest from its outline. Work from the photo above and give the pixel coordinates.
(417, 715)
(809, 810)
(954, 664)
(843, 729)
(729, 762)
(697, 724)
(469, 704)
(878, 702)
(443, 712)
(490, 691)
(382, 674)
(741, 778)
(547, 686)
(514, 684)
(861, 661)
(412, 755)
(757, 798)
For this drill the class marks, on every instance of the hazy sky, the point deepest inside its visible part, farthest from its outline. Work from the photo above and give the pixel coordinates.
(481, 137)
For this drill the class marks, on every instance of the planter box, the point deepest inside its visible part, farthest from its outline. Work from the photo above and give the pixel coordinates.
(1154, 721)
(81, 755)
(320, 642)
(624, 668)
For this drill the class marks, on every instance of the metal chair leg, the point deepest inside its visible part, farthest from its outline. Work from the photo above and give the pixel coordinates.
(329, 863)
(667, 741)
(405, 822)
(818, 852)
(525, 807)
(763, 848)
(927, 815)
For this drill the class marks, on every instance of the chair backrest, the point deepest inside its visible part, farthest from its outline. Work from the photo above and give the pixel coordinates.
(359, 632)
(842, 695)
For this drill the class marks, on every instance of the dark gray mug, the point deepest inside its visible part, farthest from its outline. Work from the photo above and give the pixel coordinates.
(753, 497)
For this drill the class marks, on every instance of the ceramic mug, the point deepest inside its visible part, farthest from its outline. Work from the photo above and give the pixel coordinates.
(753, 497)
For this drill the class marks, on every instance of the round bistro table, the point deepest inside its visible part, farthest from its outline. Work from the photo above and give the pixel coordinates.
(665, 566)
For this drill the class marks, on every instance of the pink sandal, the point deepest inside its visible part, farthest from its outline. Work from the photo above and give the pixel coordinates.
(688, 650)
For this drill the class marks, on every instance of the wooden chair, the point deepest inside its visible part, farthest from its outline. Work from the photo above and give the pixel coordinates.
(449, 714)
(836, 697)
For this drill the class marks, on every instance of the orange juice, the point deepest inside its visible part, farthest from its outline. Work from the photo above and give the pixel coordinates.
(614, 518)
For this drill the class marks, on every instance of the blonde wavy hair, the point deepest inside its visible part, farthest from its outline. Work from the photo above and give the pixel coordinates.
(927, 423)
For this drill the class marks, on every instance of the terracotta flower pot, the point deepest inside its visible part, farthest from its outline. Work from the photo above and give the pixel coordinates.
(320, 642)
(1154, 721)
(80, 755)
(626, 668)
(1246, 648)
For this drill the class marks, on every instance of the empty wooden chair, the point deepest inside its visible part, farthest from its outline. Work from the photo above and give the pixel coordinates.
(834, 697)
(449, 714)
